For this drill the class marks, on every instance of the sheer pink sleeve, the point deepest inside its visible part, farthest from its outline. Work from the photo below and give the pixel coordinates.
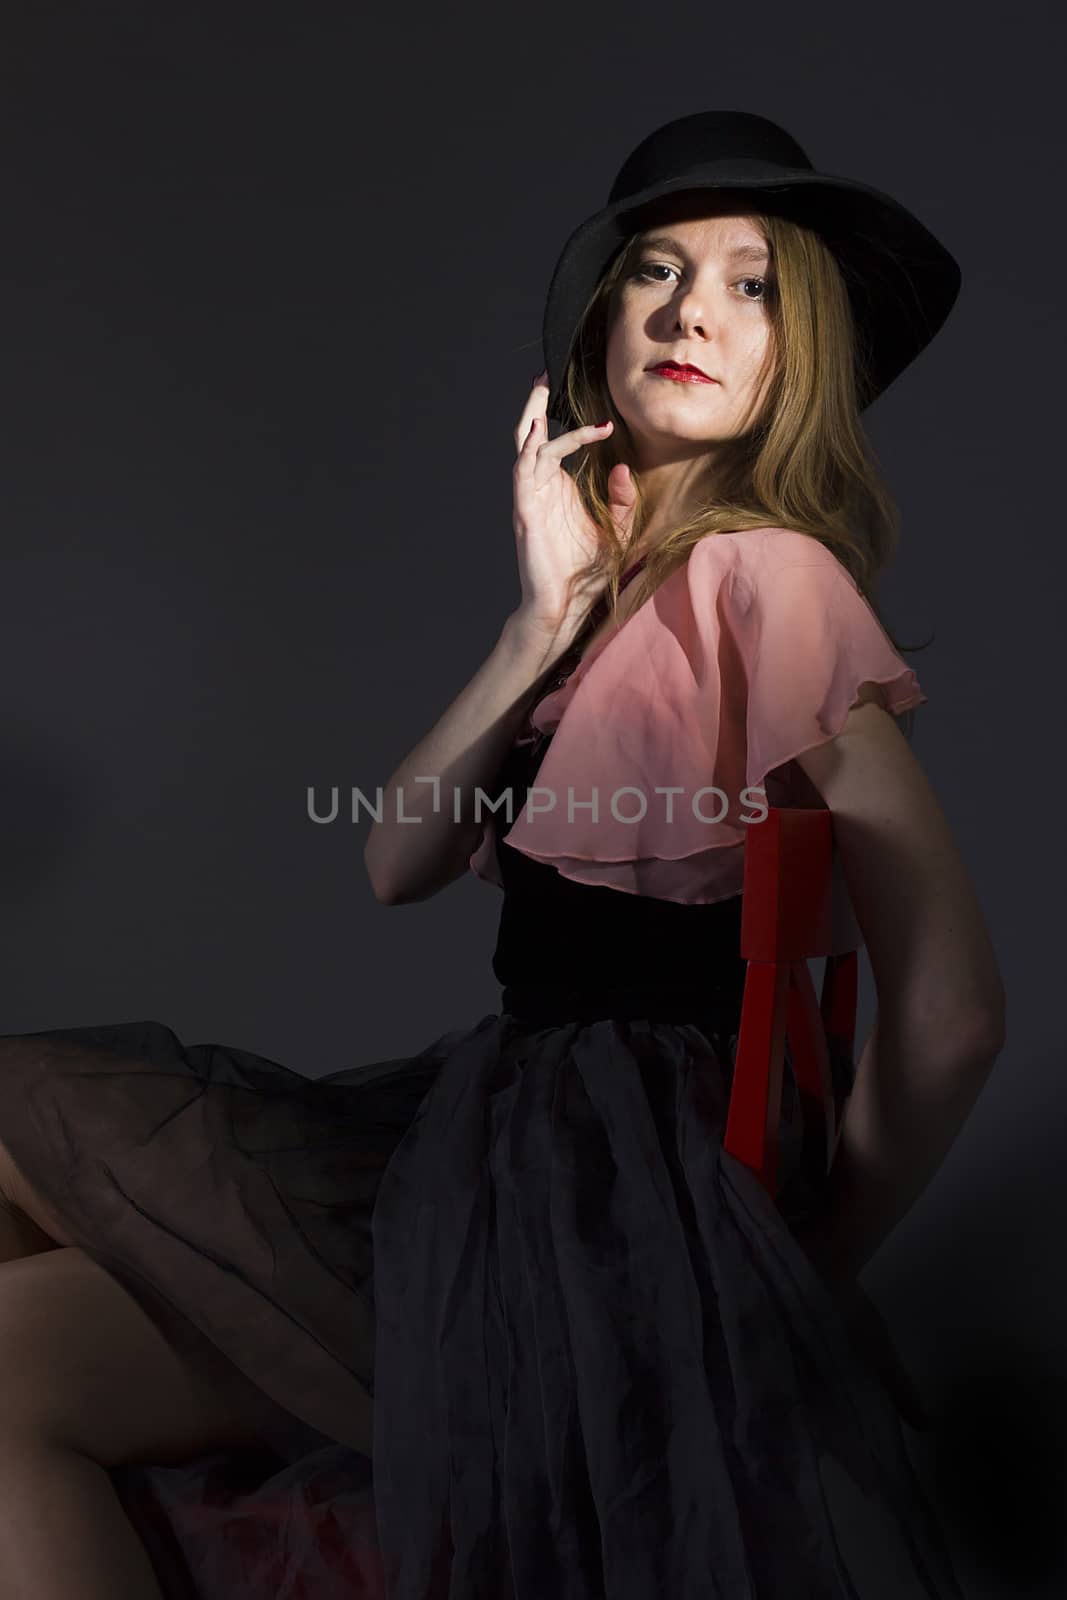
(667, 740)
(809, 642)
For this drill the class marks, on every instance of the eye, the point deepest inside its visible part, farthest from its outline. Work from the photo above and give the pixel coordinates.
(647, 268)
(765, 288)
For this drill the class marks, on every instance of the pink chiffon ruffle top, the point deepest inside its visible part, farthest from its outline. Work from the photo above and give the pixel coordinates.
(684, 723)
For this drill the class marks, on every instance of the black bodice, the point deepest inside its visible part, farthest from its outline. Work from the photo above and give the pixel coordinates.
(554, 930)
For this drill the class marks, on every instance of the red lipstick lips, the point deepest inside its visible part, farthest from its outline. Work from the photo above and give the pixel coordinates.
(681, 374)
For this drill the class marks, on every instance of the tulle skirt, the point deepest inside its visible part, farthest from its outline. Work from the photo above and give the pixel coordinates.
(519, 1326)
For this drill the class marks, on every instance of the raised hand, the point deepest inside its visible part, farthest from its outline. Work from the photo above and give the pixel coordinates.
(554, 534)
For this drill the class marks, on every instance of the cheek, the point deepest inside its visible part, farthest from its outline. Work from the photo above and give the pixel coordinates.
(618, 339)
(618, 356)
(758, 348)
(627, 325)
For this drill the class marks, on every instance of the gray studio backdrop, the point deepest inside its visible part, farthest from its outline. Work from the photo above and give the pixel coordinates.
(261, 371)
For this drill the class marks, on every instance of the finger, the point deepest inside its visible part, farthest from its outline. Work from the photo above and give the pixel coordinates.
(567, 443)
(536, 405)
(530, 447)
(538, 448)
(530, 441)
(622, 491)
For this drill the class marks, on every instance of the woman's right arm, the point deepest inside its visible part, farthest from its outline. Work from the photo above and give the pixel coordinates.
(555, 537)
(412, 860)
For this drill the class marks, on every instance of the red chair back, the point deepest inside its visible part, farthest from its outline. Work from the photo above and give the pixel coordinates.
(792, 910)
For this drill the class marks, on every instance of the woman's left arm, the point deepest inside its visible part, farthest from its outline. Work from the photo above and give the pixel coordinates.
(934, 967)
(941, 1000)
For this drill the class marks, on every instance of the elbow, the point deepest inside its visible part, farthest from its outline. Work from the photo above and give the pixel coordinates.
(402, 880)
(984, 1026)
(960, 1038)
(381, 894)
(977, 1042)
(391, 895)
(390, 892)
(386, 893)
(993, 1035)
(952, 1019)
(973, 1053)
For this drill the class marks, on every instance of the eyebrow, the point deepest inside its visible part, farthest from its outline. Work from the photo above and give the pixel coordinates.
(739, 252)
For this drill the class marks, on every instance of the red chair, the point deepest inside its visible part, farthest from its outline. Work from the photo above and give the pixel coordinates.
(794, 906)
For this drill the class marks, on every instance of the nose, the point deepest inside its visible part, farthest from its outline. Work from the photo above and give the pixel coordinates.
(692, 318)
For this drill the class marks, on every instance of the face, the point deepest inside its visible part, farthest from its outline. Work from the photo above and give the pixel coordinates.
(696, 292)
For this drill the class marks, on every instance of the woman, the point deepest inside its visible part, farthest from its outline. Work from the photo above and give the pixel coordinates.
(586, 1352)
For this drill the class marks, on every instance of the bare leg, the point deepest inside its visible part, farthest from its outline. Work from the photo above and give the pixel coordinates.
(18, 1235)
(88, 1382)
(26, 1226)
(64, 1534)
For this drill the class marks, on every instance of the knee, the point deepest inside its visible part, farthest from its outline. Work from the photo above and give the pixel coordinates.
(86, 1369)
(29, 1213)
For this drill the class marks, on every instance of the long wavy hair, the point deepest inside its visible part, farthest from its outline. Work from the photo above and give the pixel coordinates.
(802, 461)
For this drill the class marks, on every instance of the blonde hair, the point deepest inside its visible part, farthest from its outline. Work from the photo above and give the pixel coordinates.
(802, 461)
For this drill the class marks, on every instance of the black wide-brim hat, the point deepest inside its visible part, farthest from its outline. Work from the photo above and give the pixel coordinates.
(901, 281)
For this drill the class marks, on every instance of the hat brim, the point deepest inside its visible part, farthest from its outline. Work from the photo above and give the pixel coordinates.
(902, 282)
